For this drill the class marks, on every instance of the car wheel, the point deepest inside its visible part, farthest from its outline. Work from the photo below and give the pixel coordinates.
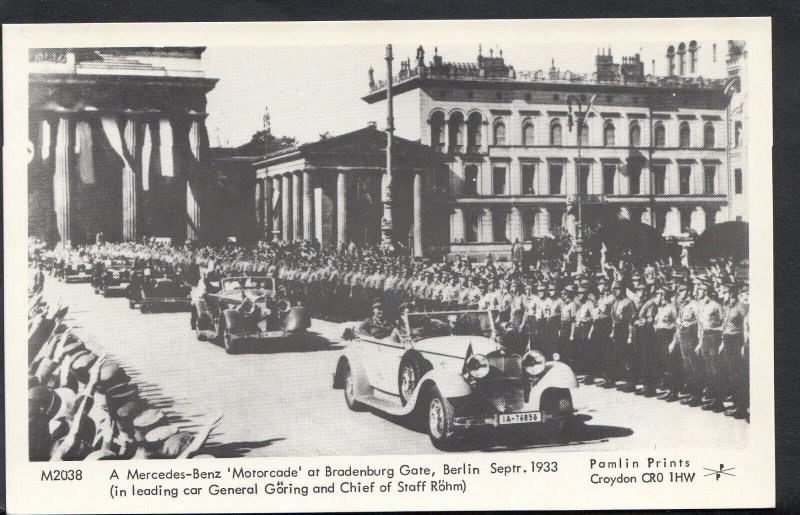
(440, 421)
(132, 304)
(227, 340)
(350, 390)
(408, 379)
(200, 334)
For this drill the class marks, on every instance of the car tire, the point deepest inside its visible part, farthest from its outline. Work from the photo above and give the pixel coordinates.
(227, 341)
(144, 308)
(349, 390)
(408, 378)
(440, 421)
(132, 304)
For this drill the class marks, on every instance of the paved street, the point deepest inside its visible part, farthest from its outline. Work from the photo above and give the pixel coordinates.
(280, 401)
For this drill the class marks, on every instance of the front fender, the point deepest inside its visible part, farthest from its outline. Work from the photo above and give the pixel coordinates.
(559, 375)
(234, 320)
(450, 385)
(297, 319)
(356, 364)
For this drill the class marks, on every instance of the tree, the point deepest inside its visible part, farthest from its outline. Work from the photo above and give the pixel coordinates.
(264, 142)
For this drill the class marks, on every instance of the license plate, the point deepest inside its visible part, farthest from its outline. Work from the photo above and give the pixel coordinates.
(520, 418)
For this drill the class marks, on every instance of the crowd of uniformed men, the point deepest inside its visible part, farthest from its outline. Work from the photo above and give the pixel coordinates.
(660, 328)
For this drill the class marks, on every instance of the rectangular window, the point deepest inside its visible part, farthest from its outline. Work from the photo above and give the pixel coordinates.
(528, 176)
(499, 180)
(738, 181)
(471, 180)
(684, 179)
(556, 173)
(609, 173)
(659, 179)
(709, 175)
(686, 219)
(635, 177)
(556, 219)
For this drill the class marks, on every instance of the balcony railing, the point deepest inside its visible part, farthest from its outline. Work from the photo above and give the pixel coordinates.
(565, 77)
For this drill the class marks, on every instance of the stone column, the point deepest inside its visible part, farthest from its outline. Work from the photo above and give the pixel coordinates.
(130, 219)
(308, 209)
(61, 181)
(341, 209)
(418, 247)
(259, 208)
(286, 213)
(457, 226)
(297, 199)
(267, 227)
(277, 221)
(192, 185)
(487, 227)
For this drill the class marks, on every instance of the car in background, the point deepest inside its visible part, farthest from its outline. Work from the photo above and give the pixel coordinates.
(166, 292)
(113, 276)
(76, 270)
(454, 371)
(248, 308)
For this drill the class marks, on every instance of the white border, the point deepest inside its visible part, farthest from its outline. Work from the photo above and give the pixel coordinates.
(754, 485)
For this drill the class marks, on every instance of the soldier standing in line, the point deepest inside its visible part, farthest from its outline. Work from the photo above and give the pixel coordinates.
(709, 323)
(622, 313)
(600, 334)
(732, 348)
(584, 356)
(664, 335)
(642, 342)
(569, 308)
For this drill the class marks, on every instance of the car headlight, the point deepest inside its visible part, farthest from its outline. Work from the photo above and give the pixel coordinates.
(534, 363)
(477, 366)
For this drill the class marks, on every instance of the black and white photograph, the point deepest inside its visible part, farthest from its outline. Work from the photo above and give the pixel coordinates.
(483, 247)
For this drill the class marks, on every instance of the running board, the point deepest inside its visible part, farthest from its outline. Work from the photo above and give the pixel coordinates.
(386, 405)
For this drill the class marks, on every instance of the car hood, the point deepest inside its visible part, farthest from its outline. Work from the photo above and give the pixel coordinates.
(456, 346)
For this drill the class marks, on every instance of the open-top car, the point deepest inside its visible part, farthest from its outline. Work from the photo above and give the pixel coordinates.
(77, 270)
(112, 276)
(455, 371)
(247, 308)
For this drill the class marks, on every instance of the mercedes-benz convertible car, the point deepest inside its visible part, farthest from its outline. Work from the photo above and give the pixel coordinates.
(166, 292)
(456, 372)
(112, 276)
(77, 270)
(247, 308)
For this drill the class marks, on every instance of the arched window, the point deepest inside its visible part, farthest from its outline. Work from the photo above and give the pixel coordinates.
(608, 134)
(437, 130)
(474, 123)
(635, 134)
(456, 127)
(499, 132)
(684, 135)
(708, 135)
(659, 135)
(527, 133)
(584, 134)
(555, 132)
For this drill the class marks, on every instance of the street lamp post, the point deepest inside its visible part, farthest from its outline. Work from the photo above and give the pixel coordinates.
(387, 222)
(580, 115)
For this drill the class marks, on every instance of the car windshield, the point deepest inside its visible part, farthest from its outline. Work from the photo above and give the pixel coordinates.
(457, 323)
(246, 283)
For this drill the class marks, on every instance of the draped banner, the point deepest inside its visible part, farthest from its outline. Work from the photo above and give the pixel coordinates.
(112, 132)
(83, 148)
(147, 149)
(45, 140)
(60, 180)
(194, 139)
(165, 148)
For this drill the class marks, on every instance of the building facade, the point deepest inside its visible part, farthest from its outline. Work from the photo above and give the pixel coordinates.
(652, 149)
(117, 143)
(737, 128)
(330, 190)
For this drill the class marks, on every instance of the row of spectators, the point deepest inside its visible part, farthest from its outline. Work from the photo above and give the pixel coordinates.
(82, 405)
(659, 328)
